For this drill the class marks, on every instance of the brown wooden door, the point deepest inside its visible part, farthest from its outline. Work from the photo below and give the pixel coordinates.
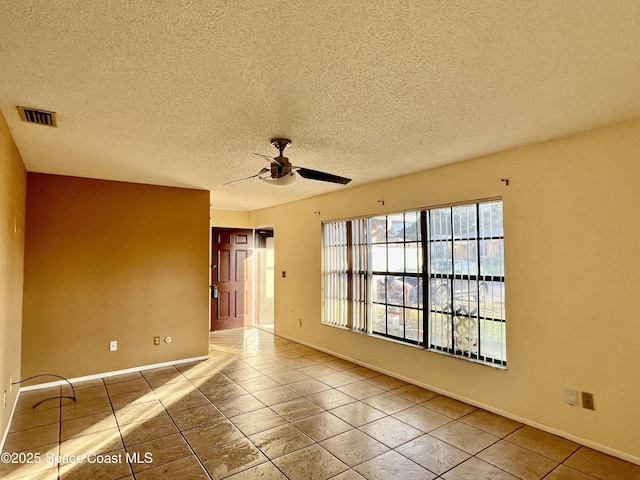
(230, 274)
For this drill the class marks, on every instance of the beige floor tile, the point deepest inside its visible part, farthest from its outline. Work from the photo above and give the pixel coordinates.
(491, 423)
(348, 475)
(196, 416)
(258, 383)
(117, 467)
(321, 357)
(308, 387)
(433, 454)
(360, 390)
(27, 400)
(388, 403)
(322, 426)
(414, 393)
(187, 468)
(163, 450)
(224, 392)
(100, 442)
(310, 463)
(517, 460)
(124, 377)
(128, 386)
(244, 374)
(288, 377)
(329, 399)
(280, 441)
(19, 467)
(82, 409)
(422, 418)
(258, 421)
(165, 378)
(601, 465)
(148, 430)
(551, 446)
(262, 360)
(354, 447)
(296, 409)
(340, 364)
(210, 384)
(264, 471)
(273, 396)
(183, 402)
(34, 419)
(174, 390)
(84, 394)
(317, 370)
(230, 458)
(566, 473)
(152, 372)
(94, 382)
(390, 431)
(464, 437)
(34, 437)
(449, 407)
(297, 363)
(207, 436)
(362, 373)
(239, 405)
(132, 398)
(392, 466)
(139, 413)
(386, 382)
(201, 370)
(336, 379)
(357, 413)
(89, 424)
(474, 469)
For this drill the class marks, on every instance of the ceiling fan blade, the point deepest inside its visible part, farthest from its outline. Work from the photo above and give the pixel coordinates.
(271, 159)
(321, 176)
(264, 170)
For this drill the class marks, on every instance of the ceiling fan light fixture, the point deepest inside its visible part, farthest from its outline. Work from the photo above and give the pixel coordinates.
(286, 181)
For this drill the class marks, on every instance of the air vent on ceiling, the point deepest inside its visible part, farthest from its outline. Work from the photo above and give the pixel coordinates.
(41, 117)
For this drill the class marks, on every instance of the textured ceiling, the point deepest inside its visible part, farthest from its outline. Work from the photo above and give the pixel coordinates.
(182, 92)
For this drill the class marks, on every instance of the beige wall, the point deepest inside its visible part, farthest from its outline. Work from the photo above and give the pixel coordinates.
(13, 189)
(230, 219)
(112, 261)
(572, 231)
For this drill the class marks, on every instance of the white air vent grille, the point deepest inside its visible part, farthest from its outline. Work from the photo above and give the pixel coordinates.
(41, 117)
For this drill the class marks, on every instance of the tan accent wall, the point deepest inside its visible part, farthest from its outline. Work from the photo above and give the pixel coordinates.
(572, 236)
(113, 261)
(13, 188)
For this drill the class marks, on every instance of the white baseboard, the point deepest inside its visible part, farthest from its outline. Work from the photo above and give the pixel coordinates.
(582, 441)
(112, 374)
(91, 377)
(6, 431)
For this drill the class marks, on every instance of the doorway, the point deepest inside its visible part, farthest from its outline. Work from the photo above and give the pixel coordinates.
(265, 278)
(231, 278)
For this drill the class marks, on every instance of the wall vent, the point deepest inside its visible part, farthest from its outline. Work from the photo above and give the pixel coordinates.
(41, 117)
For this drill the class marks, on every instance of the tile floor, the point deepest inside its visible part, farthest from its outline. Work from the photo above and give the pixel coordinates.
(264, 407)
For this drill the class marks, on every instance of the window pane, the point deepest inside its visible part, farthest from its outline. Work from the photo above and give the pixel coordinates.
(464, 221)
(492, 340)
(491, 257)
(395, 257)
(492, 301)
(411, 322)
(413, 257)
(379, 318)
(439, 223)
(379, 229)
(379, 257)
(440, 330)
(379, 289)
(395, 228)
(412, 226)
(491, 219)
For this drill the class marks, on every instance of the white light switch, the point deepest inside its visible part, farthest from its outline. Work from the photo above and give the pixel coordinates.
(570, 396)
(113, 345)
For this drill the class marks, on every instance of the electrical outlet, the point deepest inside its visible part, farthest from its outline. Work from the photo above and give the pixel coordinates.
(570, 396)
(587, 401)
(300, 322)
(156, 340)
(113, 345)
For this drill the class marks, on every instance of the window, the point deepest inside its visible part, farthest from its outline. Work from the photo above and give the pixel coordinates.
(433, 278)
